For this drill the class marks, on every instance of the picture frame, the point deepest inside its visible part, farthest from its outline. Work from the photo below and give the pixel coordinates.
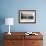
(27, 16)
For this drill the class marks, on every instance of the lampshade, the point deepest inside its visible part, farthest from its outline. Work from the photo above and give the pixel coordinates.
(9, 21)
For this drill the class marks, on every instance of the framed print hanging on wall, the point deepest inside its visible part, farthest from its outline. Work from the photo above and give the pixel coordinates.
(27, 16)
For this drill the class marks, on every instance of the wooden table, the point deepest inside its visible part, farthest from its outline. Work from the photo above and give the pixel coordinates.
(20, 39)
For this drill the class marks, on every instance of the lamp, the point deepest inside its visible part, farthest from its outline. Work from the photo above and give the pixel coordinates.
(9, 21)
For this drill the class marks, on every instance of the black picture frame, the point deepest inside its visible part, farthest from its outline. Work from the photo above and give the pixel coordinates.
(27, 16)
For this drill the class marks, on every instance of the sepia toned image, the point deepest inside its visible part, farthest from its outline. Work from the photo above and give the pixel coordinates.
(27, 16)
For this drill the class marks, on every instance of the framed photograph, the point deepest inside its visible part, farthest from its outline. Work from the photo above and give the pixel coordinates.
(27, 16)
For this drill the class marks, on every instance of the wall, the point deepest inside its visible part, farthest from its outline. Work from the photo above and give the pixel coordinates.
(10, 8)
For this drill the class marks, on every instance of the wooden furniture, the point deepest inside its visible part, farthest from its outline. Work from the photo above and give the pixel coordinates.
(20, 39)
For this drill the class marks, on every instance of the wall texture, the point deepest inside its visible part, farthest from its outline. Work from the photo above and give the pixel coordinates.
(10, 8)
